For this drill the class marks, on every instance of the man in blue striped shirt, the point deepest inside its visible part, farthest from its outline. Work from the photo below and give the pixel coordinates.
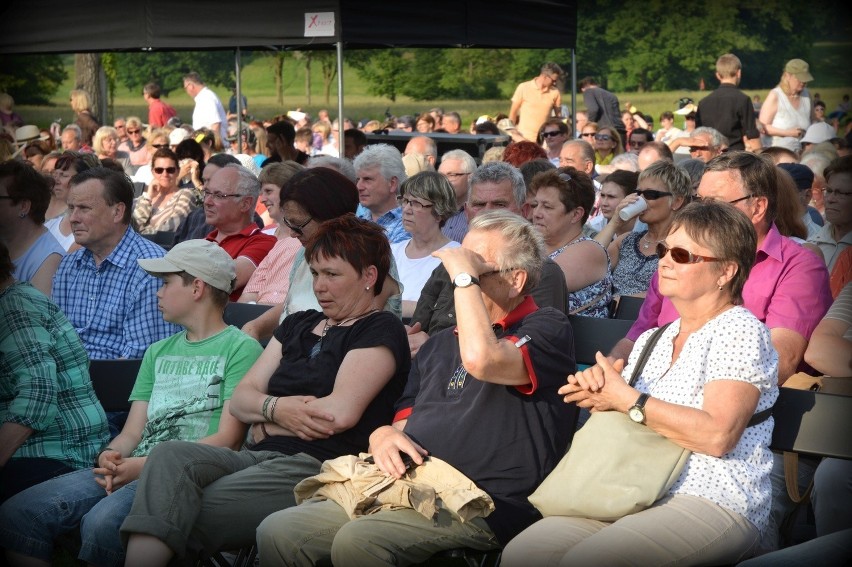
(380, 173)
(109, 299)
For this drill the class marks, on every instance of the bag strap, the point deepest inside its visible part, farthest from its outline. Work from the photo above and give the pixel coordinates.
(756, 419)
(593, 301)
(646, 352)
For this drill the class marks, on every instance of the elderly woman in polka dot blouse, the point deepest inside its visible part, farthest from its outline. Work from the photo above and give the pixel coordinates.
(712, 369)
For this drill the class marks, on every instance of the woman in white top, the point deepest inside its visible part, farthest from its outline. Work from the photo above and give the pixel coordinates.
(787, 112)
(710, 372)
(427, 201)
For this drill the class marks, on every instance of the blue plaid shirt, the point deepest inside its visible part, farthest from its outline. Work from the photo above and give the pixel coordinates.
(113, 306)
(391, 221)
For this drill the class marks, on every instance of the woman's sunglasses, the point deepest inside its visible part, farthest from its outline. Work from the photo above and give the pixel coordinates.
(161, 170)
(682, 255)
(603, 137)
(652, 194)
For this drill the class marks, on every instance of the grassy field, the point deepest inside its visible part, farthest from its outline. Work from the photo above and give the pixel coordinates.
(258, 86)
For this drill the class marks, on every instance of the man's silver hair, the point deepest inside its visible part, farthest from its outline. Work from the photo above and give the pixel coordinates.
(717, 140)
(247, 182)
(463, 156)
(384, 156)
(523, 246)
(497, 172)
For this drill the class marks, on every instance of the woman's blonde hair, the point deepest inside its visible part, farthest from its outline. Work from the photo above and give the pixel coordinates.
(80, 100)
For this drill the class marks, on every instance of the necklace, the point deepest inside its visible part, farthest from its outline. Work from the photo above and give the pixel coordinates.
(645, 244)
(315, 350)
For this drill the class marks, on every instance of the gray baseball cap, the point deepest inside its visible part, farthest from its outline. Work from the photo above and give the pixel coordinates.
(199, 258)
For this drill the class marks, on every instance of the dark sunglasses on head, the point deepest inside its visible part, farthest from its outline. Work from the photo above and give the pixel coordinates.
(652, 194)
(603, 137)
(161, 170)
(682, 255)
(552, 134)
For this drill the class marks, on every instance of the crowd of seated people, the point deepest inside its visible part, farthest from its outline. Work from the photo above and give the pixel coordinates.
(396, 301)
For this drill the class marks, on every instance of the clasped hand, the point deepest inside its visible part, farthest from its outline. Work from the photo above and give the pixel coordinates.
(117, 471)
(599, 388)
(298, 415)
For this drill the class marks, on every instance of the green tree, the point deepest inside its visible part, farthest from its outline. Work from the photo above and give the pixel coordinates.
(168, 68)
(32, 79)
(382, 69)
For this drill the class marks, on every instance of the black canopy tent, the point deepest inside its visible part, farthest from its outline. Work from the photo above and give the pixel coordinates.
(60, 26)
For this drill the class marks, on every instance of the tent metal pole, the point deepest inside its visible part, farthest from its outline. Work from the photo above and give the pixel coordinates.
(574, 92)
(239, 104)
(340, 141)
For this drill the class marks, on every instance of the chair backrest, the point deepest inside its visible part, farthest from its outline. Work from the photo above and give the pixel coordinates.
(238, 314)
(812, 423)
(113, 381)
(592, 334)
(628, 307)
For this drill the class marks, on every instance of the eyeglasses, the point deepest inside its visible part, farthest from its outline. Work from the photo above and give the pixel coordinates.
(160, 146)
(7, 197)
(134, 131)
(551, 134)
(603, 137)
(830, 192)
(652, 194)
(416, 205)
(588, 135)
(298, 229)
(161, 170)
(735, 201)
(699, 149)
(218, 196)
(492, 272)
(682, 255)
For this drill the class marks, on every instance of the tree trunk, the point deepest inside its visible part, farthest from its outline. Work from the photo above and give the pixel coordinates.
(90, 77)
(278, 68)
(308, 77)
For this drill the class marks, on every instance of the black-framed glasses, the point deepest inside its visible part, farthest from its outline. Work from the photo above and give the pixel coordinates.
(551, 134)
(219, 196)
(735, 201)
(830, 191)
(652, 194)
(170, 170)
(493, 272)
(7, 197)
(603, 137)
(416, 205)
(160, 146)
(297, 229)
(682, 255)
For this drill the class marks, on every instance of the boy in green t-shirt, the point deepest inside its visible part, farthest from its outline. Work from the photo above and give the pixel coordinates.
(182, 392)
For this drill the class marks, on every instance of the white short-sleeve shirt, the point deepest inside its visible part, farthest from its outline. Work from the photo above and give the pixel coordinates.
(734, 345)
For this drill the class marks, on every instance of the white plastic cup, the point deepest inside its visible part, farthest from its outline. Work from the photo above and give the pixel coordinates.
(633, 209)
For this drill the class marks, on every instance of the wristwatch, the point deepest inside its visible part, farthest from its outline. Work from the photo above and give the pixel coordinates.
(637, 412)
(464, 280)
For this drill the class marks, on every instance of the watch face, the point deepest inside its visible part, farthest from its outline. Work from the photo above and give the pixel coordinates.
(462, 280)
(636, 415)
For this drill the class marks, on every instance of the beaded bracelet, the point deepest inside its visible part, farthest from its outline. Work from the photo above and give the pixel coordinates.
(265, 407)
(272, 410)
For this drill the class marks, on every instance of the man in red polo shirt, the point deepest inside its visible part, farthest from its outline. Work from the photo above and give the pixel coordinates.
(229, 201)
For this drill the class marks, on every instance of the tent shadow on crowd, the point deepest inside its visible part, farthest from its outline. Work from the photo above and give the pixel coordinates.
(59, 26)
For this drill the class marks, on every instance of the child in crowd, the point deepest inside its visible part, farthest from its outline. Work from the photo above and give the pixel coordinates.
(182, 392)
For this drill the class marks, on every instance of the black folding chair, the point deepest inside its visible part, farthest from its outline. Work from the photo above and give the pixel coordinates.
(113, 381)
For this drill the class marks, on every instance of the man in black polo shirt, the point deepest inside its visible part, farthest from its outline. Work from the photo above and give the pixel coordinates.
(728, 109)
(481, 397)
